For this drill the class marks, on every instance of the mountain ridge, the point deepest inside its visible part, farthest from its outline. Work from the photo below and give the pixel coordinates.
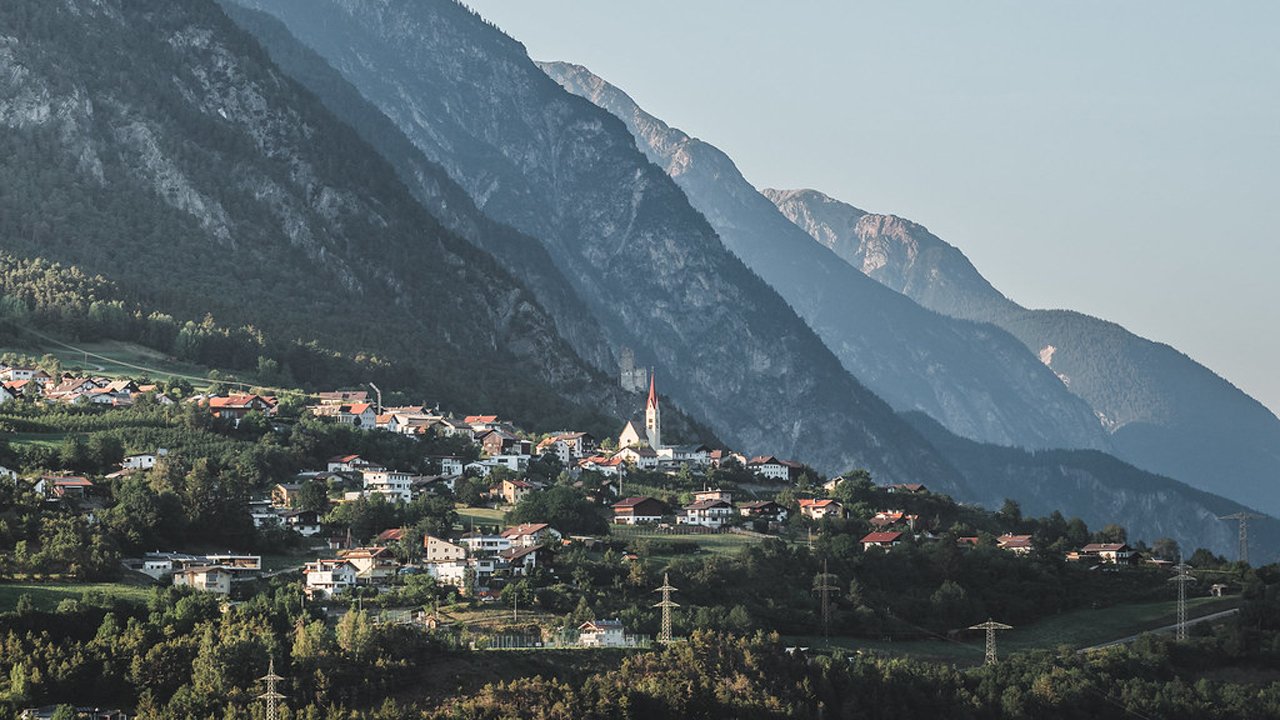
(1164, 411)
(558, 169)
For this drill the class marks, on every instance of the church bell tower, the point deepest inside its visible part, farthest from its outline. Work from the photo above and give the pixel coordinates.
(653, 416)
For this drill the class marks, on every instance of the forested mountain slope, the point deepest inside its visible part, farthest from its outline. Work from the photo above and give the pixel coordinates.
(156, 144)
(653, 272)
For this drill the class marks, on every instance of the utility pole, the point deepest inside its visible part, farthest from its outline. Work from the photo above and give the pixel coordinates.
(991, 626)
(1243, 518)
(664, 635)
(1183, 577)
(379, 392)
(824, 585)
(271, 696)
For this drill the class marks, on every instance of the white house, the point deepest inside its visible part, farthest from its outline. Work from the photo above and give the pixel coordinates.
(328, 578)
(603, 633)
(143, 461)
(710, 513)
(770, 467)
(351, 463)
(530, 534)
(481, 544)
(394, 484)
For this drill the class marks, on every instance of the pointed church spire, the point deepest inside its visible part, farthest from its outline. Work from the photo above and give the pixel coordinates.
(653, 394)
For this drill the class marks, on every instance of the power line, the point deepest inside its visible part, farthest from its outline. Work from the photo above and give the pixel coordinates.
(271, 696)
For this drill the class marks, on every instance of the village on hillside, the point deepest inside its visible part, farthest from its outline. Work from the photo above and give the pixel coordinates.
(642, 486)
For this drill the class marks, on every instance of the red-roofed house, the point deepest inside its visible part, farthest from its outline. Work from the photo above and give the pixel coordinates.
(1107, 553)
(883, 540)
(530, 534)
(1018, 544)
(818, 509)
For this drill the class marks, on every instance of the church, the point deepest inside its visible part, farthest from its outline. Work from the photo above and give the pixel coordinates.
(634, 434)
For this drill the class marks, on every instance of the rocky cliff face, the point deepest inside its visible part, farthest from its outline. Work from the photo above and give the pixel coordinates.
(185, 166)
(653, 273)
(1165, 412)
(977, 380)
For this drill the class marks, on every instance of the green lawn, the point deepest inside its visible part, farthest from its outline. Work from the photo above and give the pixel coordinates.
(47, 595)
(114, 358)
(479, 516)
(716, 543)
(1079, 628)
(47, 439)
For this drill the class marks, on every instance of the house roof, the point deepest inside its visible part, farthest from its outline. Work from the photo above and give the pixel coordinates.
(344, 458)
(1104, 547)
(759, 504)
(524, 529)
(390, 535)
(1014, 541)
(634, 501)
(708, 504)
(74, 481)
(881, 537)
(516, 553)
(818, 502)
(485, 419)
(601, 625)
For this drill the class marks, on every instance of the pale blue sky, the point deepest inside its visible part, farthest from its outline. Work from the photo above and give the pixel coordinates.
(1117, 158)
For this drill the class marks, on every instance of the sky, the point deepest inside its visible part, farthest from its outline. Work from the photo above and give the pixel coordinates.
(1120, 159)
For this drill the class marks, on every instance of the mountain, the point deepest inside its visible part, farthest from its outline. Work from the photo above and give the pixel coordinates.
(1164, 411)
(978, 381)
(653, 273)
(187, 169)
(1100, 489)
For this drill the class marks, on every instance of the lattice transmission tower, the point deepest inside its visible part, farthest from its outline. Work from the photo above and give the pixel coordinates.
(824, 585)
(1183, 577)
(991, 626)
(272, 697)
(667, 605)
(1243, 518)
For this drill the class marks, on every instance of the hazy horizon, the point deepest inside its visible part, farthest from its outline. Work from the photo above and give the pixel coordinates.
(1118, 161)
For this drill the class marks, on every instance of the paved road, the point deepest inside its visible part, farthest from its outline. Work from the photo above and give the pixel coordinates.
(1167, 628)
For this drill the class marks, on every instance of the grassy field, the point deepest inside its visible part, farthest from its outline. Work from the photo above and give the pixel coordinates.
(120, 359)
(46, 596)
(479, 516)
(47, 439)
(1079, 628)
(715, 543)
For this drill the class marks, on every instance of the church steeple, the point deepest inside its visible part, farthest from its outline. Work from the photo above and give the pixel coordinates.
(653, 416)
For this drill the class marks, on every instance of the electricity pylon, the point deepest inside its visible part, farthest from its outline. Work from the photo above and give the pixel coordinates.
(664, 635)
(1183, 577)
(991, 626)
(1243, 518)
(272, 697)
(824, 585)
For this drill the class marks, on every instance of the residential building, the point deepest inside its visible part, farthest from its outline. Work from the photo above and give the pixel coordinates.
(523, 560)
(767, 510)
(821, 508)
(374, 565)
(883, 540)
(1107, 554)
(206, 578)
(710, 513)
(326, 579)
(482, 544)
(638, 510)
(772, 468)
(512, 491)
(393, 484)
(530, 534)
(351, 463)
(435, 549)
(603, 633)
(1017, 544)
